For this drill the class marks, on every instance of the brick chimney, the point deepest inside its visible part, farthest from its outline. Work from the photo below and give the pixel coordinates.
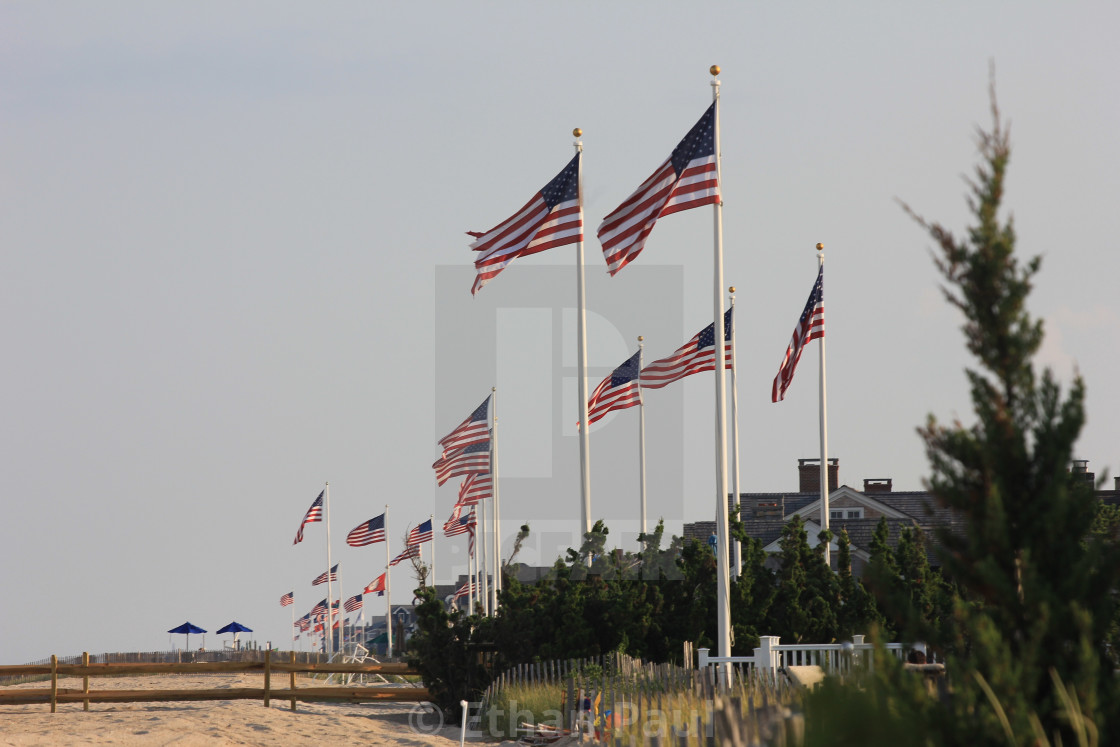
(877, 485)
(1116, 483)
(809, 474)
(1080, 468)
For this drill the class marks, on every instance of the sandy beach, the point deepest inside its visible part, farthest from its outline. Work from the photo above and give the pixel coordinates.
(241, 722)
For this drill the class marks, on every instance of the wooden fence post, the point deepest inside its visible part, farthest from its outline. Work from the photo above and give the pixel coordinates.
(292, 682)
(85, 680)
(54, 683)
(267, 675)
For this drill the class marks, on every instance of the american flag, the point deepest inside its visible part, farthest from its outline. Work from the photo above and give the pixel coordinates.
(315, 513)
(695, 356)
(319, 609)
(376, 586)
(476, 487)
(322, 577)
(354, 603)
(474, 458)
(459, 524)
(809, 327)
(412, 551)
(287, 599)
(686, 180)
(368, 533)
(474, 430)
(422, 533)
(553, 217)
(469, 587)
(618, 391)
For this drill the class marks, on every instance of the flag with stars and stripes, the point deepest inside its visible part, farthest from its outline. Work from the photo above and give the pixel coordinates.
(288, 599)
(809, 327)
(314, 514)
(459, 524)
(469, 587)
(475, 458)
(618, 391)
(412, 551)
(322, 578)
(474, 430)
(422, 533)
(354, 603)
(695, 356)
(476, 487)
(553, 217)
(686, 180)
(367, 533)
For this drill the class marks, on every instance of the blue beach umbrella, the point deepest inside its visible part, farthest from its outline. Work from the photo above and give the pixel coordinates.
(187, 628)
(235, 628)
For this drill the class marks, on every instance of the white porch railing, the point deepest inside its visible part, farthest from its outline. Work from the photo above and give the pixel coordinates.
(833, 658)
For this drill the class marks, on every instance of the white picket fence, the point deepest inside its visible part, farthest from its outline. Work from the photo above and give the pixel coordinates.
(833, 658)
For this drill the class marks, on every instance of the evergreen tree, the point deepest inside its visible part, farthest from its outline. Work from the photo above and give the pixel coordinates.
(857, 611)
(1039, 599)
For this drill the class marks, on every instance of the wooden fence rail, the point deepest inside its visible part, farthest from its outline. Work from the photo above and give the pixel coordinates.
(53, 695)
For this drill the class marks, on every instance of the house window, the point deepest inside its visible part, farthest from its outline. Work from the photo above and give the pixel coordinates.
(846, 513)
(836, 514)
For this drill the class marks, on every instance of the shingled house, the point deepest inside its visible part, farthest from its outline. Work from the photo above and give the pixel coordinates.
(857, 511)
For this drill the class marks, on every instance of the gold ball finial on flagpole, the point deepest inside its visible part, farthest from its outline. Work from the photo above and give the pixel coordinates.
(731, 289)
(640, 338)
(577, 132)
(714, 70)
(820, 247)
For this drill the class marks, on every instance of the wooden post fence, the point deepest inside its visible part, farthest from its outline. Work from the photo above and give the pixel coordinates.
(54, 695)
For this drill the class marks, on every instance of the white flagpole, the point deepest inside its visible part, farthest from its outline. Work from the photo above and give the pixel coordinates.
(581, 331)
(485, 561)
(470, 573)
(388, 593)
(642, 439)
(736, 548)
(723, 589)
(330, 597)
(497, 502)
(432, 518)
(294, 636)
(824, 434)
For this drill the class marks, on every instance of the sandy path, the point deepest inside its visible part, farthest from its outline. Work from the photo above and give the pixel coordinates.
(241, 722)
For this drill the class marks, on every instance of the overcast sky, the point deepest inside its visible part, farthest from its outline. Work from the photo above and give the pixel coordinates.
(234, 268)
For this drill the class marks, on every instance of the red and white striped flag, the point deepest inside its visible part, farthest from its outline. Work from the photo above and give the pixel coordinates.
(695, 356)
(553, 217)
(474, 430)
(422, 533)
(618, 391)
(314, 514)
(477, 487)
(809, 327)
(471, 460)
(467, 588)
(458, 524)
(412, 551)
(686, 180)
(288, 599)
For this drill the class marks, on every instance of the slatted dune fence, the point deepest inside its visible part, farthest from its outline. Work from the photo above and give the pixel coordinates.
(635, 703)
